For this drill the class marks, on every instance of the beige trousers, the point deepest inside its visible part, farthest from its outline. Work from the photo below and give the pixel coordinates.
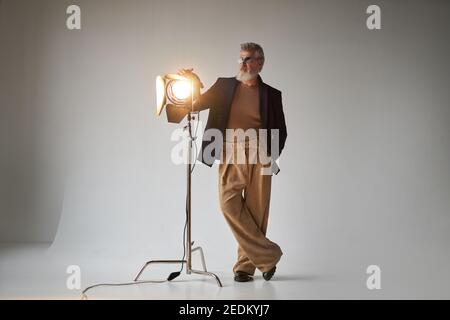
(244, 195)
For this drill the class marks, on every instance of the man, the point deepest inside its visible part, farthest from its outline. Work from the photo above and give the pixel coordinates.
(245, 102)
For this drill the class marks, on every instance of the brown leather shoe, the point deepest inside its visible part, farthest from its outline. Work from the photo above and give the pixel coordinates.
(269, 274)
(241, 276)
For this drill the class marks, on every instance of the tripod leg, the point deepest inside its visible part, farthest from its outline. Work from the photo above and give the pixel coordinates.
(156, 261)
(202, 256)
(208, 274)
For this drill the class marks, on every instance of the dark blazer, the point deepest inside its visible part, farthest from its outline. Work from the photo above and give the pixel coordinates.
(219, 98)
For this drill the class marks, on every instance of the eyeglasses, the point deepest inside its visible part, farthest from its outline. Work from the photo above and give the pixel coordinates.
(246, 60)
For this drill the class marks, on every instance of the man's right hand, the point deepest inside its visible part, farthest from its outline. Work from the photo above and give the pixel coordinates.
(191, 75)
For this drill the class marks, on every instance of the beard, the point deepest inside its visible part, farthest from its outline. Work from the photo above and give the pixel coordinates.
(245, 76)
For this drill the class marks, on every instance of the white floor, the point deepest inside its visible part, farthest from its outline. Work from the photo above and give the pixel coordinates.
(32, 271)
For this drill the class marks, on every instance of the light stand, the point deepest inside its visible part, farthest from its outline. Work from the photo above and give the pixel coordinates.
(189, 243)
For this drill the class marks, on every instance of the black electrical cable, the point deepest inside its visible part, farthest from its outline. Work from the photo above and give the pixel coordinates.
(172, 276)
(84, 296)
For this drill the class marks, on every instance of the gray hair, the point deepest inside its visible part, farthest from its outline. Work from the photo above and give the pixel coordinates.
(251, 46)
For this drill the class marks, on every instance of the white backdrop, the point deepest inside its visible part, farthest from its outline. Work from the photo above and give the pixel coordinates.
(365, 175)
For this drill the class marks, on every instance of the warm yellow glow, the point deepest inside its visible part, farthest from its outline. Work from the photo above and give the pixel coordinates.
(172, 89)
(181, 89)
(160, 94)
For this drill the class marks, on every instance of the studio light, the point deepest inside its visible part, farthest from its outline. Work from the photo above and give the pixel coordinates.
(177, 94)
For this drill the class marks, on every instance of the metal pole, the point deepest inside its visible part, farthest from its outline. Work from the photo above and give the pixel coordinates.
(189, 173)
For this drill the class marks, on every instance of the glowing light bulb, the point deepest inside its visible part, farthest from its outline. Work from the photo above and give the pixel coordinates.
(181, 89)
